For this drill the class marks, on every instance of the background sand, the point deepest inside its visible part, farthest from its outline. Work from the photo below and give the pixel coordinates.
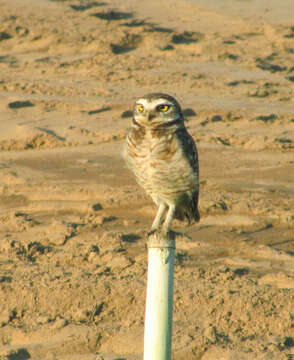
(73, 222)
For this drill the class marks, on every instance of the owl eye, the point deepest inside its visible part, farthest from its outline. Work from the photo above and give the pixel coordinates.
(163, 108)
(140, 108)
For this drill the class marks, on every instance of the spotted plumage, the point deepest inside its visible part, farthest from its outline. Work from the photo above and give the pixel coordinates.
(163, 157)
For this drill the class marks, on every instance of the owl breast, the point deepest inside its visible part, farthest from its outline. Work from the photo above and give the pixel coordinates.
(160, 165)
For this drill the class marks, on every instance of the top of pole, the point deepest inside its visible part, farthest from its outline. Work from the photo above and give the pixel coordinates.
(160, 240)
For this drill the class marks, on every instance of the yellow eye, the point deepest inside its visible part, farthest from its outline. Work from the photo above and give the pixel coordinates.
(163, 108)
(140, 108)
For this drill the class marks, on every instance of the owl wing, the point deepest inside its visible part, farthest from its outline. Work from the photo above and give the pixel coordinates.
(190, 210)
(189, 149)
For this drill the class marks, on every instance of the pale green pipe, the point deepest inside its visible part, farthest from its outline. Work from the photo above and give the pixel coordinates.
(159, 298)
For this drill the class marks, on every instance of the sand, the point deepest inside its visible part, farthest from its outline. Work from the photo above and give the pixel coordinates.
(73, 222)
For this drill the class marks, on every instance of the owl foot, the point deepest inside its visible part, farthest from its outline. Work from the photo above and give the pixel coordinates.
(162, 232)
(153, 231)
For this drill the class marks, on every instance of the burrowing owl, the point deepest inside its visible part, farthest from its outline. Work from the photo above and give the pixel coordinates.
(164, 159)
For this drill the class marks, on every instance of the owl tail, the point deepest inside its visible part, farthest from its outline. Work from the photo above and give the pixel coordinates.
(188, 210)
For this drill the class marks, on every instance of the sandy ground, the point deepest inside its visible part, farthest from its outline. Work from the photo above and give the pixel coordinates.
(73, 222)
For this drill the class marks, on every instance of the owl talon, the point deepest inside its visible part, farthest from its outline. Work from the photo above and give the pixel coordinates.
(152, 231)
(165, 232)
(162, 232)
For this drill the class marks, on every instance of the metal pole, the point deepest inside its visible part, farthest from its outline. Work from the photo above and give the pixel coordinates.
(159, 297)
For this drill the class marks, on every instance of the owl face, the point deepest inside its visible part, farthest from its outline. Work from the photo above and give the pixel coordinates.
(154, 110)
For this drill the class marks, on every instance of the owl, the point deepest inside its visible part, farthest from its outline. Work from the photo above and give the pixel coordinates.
(163, 156)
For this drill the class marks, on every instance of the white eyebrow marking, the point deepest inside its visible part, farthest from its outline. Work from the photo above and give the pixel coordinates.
(150, 105)
(142, 101)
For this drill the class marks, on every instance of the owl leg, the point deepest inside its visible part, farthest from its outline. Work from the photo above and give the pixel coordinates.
(158, 218)
(169, 218)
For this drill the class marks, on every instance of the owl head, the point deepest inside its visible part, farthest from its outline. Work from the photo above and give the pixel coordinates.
(157, 110)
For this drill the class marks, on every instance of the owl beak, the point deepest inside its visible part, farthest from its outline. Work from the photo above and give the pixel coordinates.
(150, 116)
